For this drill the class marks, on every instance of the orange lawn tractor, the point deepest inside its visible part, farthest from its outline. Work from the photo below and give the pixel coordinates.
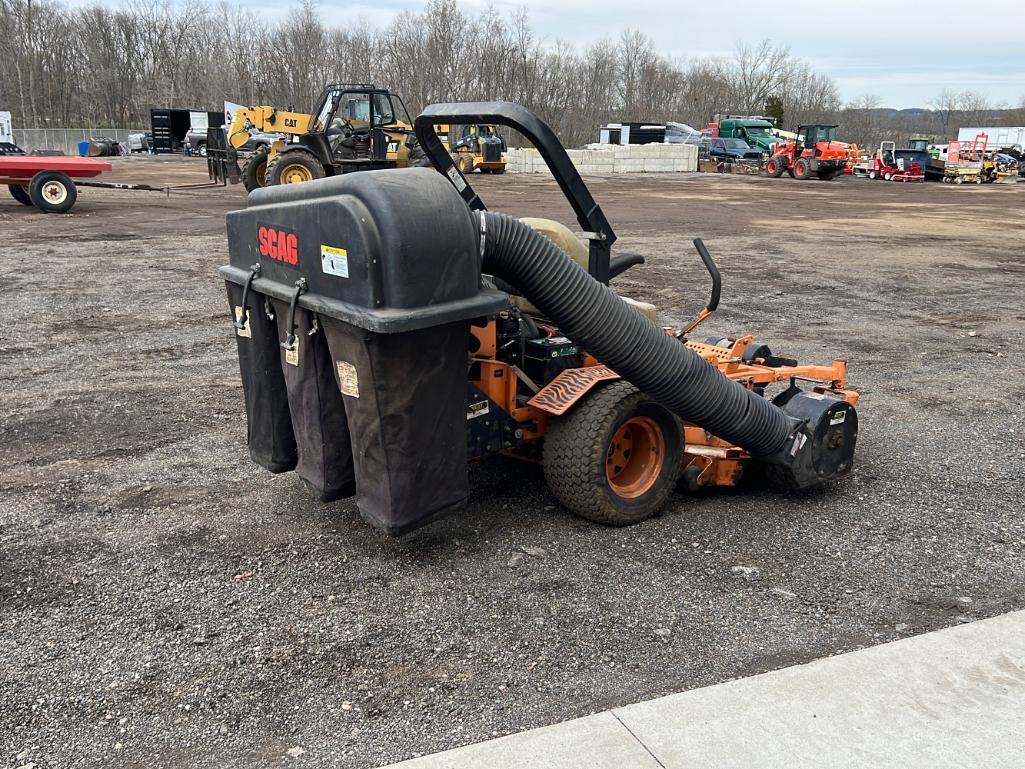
(813, 153)
(391, 329)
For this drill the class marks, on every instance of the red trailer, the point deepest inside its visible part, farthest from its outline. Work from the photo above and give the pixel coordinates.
(48, 182)
(51, 182)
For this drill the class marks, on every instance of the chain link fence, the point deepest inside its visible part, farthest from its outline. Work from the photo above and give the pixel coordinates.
(67, 139)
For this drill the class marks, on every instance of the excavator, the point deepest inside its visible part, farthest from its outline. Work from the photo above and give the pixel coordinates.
(353, 127)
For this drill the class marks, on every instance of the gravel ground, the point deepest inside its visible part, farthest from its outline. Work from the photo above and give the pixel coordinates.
(167, 603)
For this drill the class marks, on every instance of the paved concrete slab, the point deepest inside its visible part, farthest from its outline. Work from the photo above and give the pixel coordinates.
(595, 742)
(953, 698)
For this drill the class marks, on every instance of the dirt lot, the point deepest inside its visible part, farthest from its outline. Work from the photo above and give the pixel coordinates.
(167, 603)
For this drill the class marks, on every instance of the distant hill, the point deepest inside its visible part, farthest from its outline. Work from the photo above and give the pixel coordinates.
(871, 125)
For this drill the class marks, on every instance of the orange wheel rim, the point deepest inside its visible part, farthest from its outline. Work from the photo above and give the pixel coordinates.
(635, 457)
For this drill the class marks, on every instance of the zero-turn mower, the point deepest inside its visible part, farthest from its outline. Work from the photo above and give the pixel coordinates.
(390, 328)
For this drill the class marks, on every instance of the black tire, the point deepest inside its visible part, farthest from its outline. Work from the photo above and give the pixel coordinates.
(802, 169)
(20, 194)
(52, 192)
(201, 150)
(774, 168)
(466, 164)
(580, 452)
(294, 167)
(254, 170)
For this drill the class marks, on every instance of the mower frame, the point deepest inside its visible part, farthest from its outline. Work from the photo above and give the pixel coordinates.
(708, 460)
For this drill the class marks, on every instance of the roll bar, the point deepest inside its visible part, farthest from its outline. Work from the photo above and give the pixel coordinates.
(592, 219)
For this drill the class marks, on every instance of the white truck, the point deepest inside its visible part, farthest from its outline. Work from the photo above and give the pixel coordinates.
(6, 131)
(999, 138)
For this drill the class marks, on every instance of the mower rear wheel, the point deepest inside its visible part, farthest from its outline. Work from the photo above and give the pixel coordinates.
(802, 169)
(254, 170)
(20, 194)
(615, 457)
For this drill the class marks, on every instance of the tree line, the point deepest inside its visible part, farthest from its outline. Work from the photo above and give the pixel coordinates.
(94, 65)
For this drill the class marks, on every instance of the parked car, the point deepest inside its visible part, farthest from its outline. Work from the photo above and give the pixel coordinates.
(197, 141)
(732, 149)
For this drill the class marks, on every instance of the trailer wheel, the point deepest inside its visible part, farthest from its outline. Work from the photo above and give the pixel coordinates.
(802, 169)
(254, 170)
(52, 192)
(19, 193)
(293, 168)
(615, 457)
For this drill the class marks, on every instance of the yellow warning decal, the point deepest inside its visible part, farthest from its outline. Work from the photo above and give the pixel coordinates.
(334, 261)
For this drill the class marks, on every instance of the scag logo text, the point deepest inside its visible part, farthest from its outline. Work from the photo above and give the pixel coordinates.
(280, 245)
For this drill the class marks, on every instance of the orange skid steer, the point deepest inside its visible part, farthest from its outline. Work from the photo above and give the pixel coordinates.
(415, 331)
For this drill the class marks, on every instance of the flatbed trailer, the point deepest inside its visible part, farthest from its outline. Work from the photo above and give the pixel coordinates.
(50, 183)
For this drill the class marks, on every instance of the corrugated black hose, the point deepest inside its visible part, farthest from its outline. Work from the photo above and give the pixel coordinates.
(591, 315)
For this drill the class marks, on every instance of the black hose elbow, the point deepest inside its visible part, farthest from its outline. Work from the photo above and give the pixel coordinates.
(591, 314)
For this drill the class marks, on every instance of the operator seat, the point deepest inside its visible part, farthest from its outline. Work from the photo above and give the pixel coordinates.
(336, 136)
(564, 238)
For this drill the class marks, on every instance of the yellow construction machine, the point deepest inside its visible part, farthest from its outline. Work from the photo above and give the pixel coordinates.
(354, 127)
(474, 147)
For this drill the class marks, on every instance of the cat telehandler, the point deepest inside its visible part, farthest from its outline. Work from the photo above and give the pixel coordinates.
(353, 127)
(390, 329)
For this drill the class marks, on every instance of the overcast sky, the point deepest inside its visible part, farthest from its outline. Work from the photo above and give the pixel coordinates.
(903, 51)
(890, 48)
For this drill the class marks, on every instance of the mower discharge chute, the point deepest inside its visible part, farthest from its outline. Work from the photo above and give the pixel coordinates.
(390, 328)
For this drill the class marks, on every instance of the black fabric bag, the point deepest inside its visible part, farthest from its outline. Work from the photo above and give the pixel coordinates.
(270, 437)
(318, 412)
(405, 397)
